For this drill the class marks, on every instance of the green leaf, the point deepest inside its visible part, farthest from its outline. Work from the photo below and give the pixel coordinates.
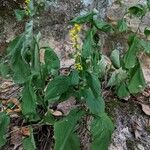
(103, 26)
(49, 118)
(94, 83)
(122, 25)
(102, 65)
(101, 130)
(4, 123)
(21, 70)
(64, 132)
(117, 77)
(138, 10)
(122, 91)
(137, 81)
(51, 60)
(130, 58)
(145, 45)
(74, 77)
(148, 4)
(56, 88)
(147, 31)
(15, 45)
(19, 66)
(4, 69)
(29, 101)
(28, 34)
(95, 105)
(36, 53)
(29, 142)
(20, 14)
(88, 44)
(115, 58)
(84, 18)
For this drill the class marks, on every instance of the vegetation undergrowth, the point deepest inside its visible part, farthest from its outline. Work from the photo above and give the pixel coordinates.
(43, 84)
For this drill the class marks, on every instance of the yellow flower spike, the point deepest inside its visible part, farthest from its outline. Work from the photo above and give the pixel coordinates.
(27, 1)
(26, 7)
(78, 66)
(77, 27)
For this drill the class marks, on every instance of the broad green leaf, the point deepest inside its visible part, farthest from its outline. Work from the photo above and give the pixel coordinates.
(51, 60)
(113, 79)
(102, 65)
(115, 58)
(138, 10)
(19, 66)
(147, 31)
(122, 25)
(123, 91)
(94, 83)
(4, 69)
(137, 81)
(29, 101)
(4, 123)
(64, 132)
(15, 45)
(74, 77)
(103, 26)
(88, 44)
(20, 14)
(101, 130)
(28, 34)
(95, 105)
(29, 142)
(57, 87)
(130, 58)
(21, 70)
(117, 77)
(145, 45)
(36, 53)
(84, 18)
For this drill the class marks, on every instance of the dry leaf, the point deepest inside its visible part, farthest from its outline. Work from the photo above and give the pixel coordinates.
(146, 109)
(67, 105)
(15, 137)
(57, 113)
(17, 105)
(25, 131)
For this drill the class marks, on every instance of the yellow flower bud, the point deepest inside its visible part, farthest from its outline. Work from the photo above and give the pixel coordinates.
(77, 27)
(78, 66)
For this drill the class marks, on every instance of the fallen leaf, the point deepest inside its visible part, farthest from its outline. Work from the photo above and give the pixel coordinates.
(15, 137)
(146, 109)
(57, 113)
(25, 131)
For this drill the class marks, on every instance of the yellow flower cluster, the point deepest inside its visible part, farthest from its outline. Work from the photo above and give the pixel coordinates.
(27, 2)
(78, 66)
(26, 7)
(74, 35)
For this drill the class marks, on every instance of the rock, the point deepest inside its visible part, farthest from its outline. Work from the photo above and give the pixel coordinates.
(115, 12)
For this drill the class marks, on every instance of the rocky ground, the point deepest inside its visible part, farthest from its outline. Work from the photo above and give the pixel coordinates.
(131, 117)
